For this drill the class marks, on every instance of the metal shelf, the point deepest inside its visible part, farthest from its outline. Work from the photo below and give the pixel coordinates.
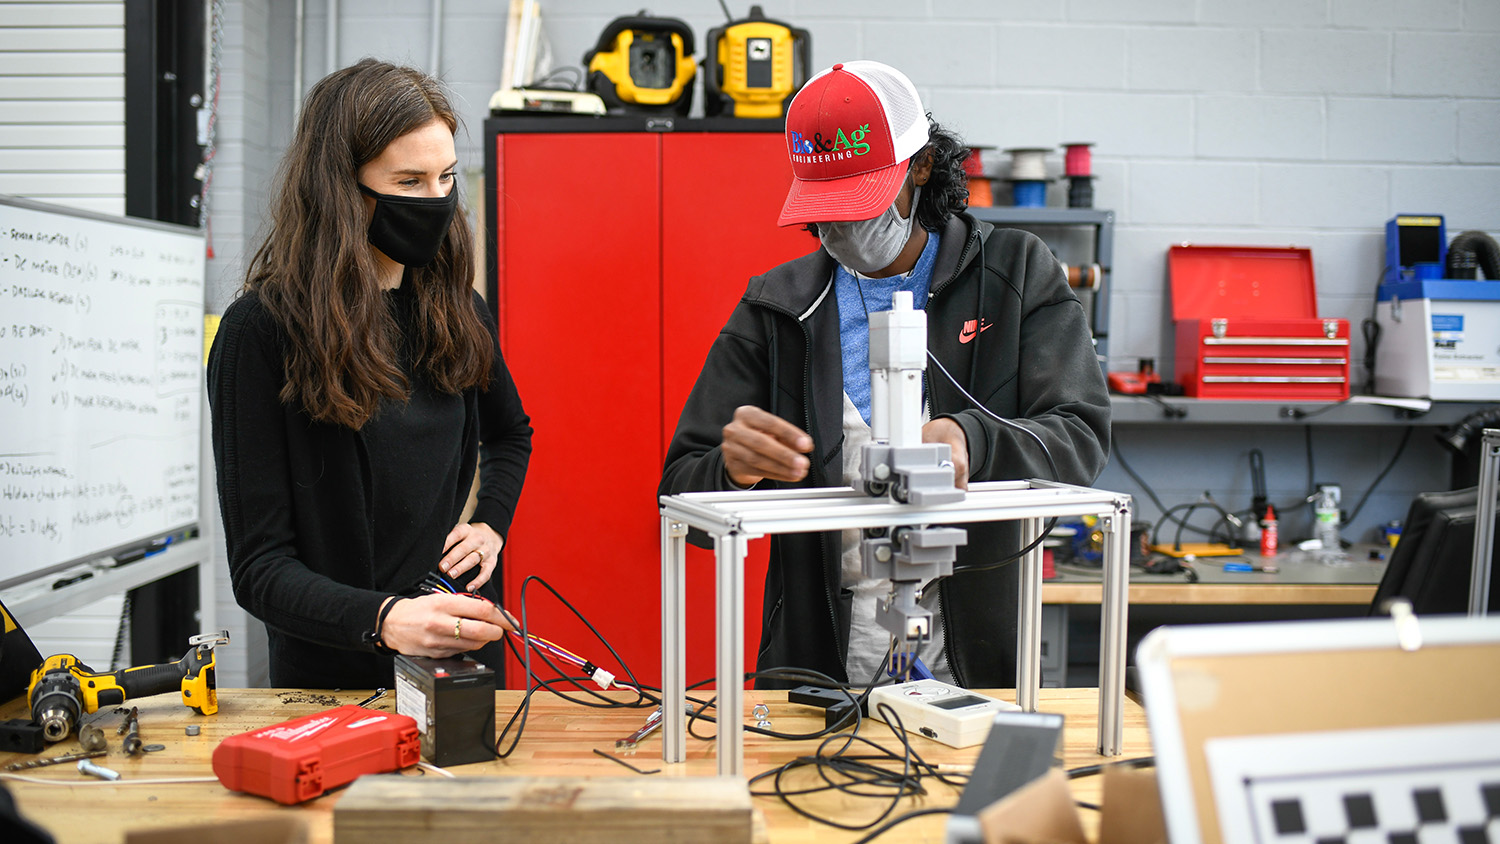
(1103, 223)
(1139, 410)
(1045, 216)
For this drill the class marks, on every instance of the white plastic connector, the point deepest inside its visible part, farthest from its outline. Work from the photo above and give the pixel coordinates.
(603, 678)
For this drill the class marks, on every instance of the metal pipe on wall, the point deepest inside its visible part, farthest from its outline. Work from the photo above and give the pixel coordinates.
(435, 40)
(332, 56)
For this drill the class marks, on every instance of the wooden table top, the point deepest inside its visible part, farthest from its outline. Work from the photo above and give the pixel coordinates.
(559, 740)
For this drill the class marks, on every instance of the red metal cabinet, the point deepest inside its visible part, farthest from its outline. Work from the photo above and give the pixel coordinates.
(615, 258)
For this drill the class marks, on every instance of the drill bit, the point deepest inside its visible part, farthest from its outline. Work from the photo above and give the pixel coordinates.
(132, 728)
(53, 760)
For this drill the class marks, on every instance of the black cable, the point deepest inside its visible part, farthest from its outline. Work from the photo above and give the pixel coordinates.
(854, 774)
(546, 82)
(1298, 413)
(1371, 330)
(524, 709)
(1205, 500)
(1169, 410)
(1312, 488)
(1046, 452)
(1259, 500)
(1091, 770)
(1405, 438)
(1117, 454)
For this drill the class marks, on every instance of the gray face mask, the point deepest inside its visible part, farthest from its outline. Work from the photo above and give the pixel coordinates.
(869, 246)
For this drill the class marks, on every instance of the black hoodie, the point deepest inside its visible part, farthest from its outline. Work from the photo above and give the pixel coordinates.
(1008, 328)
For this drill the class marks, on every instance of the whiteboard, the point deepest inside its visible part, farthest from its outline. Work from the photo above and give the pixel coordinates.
(101, 384)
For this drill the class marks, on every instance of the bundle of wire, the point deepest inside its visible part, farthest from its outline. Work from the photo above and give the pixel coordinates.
(838, 760)
(437, 583)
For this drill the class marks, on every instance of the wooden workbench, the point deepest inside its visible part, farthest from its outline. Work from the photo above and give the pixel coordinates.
(560, 739)
(1300, 580)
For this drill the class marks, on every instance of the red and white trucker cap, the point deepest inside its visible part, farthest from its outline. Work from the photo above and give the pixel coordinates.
(850, 132)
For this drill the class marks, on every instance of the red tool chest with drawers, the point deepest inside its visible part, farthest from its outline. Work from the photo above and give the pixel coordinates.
(1247, 326)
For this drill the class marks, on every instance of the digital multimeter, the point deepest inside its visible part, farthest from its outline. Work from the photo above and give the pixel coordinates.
(954, 716)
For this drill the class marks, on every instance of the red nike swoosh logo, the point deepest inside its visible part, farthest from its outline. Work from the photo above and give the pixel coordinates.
(972, 329)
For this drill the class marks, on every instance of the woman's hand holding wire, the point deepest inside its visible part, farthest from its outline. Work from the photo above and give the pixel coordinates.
(441, 625)
(471, 545)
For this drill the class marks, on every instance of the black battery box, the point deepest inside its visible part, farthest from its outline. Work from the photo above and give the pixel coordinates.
(453, 702)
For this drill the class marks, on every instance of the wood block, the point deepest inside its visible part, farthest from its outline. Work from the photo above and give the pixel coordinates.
(578, 810)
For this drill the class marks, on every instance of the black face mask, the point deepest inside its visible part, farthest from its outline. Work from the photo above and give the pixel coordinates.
(410, 229)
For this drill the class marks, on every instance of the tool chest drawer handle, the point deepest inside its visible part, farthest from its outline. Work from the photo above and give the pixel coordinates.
(1272, 379)
(1273, 341)
(1294, 361)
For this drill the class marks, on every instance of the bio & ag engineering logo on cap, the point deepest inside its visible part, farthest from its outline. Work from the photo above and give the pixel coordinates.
(838, 148)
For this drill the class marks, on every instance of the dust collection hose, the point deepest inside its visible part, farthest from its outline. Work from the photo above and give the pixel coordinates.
(1473, 250)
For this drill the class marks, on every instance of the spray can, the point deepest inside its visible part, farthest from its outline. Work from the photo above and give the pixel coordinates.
(1326, 518)
(1268, 533)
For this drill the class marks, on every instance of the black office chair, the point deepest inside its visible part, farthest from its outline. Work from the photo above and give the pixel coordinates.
(1431, 564)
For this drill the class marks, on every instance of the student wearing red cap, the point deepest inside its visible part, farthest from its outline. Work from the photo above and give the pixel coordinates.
(784, 396)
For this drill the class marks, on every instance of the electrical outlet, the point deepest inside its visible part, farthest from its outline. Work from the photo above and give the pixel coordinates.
(1335, 490)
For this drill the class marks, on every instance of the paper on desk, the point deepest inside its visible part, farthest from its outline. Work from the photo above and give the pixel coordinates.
(1419, 405)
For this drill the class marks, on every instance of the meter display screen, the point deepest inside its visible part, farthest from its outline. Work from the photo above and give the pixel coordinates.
(959, 702)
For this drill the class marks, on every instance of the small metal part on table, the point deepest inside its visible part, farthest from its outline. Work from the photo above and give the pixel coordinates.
(379, 693)
(192, 729)
(154, 748)
(87, 767)
(91, 737)
(652, 723)
(53, 760)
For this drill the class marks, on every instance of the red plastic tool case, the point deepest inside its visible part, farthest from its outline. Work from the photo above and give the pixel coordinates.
(300, 759)
(1247, 326)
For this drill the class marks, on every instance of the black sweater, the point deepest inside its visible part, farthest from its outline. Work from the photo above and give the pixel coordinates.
(324, 522)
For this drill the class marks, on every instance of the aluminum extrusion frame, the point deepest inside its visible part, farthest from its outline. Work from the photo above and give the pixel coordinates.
(735, 518)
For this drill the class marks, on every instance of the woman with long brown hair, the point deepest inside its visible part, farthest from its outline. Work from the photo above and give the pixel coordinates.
(355, 384)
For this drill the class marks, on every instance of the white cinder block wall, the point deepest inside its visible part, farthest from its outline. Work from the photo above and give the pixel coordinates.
(1307, 122)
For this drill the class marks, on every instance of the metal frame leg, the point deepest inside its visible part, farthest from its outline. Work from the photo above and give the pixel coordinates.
(1484, 524)
(673, 644)
(1112, 613)
(1029, 620)
(729, 588)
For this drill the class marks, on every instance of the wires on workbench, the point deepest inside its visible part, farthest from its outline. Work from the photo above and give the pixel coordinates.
(557, 658)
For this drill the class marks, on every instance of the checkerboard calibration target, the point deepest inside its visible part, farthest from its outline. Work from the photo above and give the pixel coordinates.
(1426, 808)
(1411, 785)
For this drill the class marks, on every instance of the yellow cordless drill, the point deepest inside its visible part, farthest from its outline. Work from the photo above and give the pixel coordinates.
(63, 689)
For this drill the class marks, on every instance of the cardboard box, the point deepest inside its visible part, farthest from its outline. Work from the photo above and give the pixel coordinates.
(1043, 812)
(1247, 326)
